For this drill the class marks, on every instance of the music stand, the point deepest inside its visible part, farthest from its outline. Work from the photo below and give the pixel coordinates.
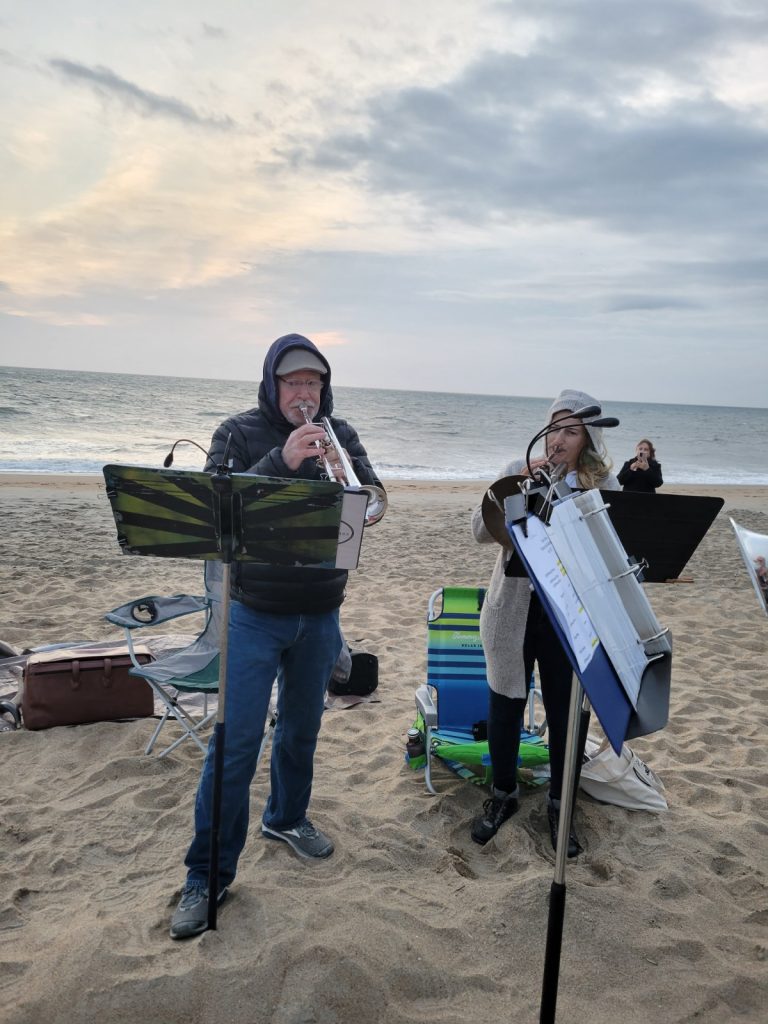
(661, 530)
(751, 546)
(619, 715)
(225, 517)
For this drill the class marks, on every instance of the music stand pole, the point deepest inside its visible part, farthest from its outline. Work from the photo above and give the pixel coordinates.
(219, 739)
(222, 487)
(557, 890)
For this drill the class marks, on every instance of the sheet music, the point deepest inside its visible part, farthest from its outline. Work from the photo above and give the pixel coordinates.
(553, 578)
(576, 547)
(751, 544)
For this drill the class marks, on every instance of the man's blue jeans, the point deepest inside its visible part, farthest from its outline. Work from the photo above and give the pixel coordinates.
(301, 651)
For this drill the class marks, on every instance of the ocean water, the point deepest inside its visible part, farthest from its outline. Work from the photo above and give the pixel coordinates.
(66, 421)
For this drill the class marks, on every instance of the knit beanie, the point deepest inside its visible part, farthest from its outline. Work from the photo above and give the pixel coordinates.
(570, 400)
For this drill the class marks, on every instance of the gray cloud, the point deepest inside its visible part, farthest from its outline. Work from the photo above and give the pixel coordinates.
(624, 34)
(149, 104)
(627, 303)
(744, 272)
(630, 171)
(550, 134)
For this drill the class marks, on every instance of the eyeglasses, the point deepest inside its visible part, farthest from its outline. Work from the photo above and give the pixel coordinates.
(299, 385)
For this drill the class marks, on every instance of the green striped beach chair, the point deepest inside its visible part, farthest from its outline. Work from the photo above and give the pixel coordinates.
(452, 705)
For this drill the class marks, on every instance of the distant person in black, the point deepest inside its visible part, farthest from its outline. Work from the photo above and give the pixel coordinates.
(643, 473)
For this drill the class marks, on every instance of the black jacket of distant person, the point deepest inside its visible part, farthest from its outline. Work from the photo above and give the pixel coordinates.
(644, 480)
(258, 436)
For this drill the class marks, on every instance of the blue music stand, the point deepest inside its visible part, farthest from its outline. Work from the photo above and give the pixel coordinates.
(618, 717)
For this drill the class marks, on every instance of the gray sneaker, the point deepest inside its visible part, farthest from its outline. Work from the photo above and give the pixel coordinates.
(191, 915)
(304, 838)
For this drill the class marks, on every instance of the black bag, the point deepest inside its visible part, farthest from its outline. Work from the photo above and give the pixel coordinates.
(363, 677)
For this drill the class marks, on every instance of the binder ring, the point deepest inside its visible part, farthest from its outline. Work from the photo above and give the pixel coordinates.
(594, 512)
(656, 636)
(632, 570)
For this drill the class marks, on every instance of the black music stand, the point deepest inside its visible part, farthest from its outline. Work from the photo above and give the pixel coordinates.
(224, 517)
(606, 692)
(660, 530)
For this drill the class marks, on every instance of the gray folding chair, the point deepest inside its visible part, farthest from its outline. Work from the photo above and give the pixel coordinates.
(184, 679)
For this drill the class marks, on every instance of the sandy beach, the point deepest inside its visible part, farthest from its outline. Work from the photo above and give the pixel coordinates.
(667, 915)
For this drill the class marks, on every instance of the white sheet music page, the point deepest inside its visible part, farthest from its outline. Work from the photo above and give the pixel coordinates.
(586, 566)
(353, 510)
(553, 578)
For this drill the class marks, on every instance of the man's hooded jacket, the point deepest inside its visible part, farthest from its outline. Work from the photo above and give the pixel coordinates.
(258, 437)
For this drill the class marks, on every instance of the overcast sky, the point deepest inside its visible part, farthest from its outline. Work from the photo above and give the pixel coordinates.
(452, 195)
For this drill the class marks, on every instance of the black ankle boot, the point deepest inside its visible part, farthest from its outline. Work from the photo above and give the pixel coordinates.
(553, 814)
(496, 811)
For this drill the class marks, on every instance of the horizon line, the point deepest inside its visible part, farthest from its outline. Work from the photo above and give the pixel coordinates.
(359, 387)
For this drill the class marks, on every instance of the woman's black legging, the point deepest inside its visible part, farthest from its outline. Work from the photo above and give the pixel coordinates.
(505, 714)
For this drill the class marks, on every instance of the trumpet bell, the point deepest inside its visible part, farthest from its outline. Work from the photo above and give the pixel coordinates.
(377, 503)
(377, 497)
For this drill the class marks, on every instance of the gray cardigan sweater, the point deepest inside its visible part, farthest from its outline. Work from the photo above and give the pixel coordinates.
(505, 609)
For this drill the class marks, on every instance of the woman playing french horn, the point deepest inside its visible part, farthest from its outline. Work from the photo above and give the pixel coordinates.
(517, 633)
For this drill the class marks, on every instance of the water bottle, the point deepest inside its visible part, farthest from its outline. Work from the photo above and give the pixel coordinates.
(414, 746)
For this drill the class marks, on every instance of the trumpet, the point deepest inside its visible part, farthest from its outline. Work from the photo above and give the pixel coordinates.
(343, 472)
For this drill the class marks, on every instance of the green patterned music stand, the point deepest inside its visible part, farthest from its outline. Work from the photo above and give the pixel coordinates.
(173, 513)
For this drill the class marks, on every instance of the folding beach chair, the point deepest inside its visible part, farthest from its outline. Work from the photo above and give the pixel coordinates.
(184, 679)
(453, 703)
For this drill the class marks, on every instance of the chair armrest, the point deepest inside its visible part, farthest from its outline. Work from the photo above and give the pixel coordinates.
(152, 610)
(426, 706)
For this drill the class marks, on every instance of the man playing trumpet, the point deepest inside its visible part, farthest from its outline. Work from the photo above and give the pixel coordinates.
(284, 623)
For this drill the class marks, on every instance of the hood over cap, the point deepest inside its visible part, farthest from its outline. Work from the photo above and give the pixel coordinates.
(569, 400)
(269, 401)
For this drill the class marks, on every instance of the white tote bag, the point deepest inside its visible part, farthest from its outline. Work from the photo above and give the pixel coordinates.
(623, 780)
